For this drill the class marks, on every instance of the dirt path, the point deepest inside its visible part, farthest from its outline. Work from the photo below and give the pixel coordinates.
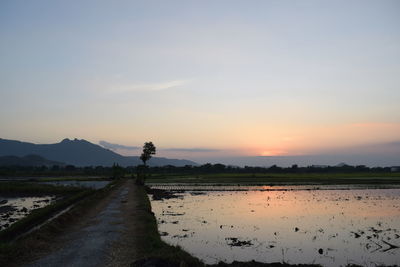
(104, 237)
(124, 250)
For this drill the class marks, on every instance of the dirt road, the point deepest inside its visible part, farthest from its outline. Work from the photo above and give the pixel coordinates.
(104, 237)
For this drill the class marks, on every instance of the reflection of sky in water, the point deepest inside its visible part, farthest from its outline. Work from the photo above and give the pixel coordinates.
(328, 227)
(21, 207)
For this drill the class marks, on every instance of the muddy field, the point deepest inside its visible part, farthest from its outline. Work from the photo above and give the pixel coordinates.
(18, 200)
(328, 226)
(87, 184)
(15, 208)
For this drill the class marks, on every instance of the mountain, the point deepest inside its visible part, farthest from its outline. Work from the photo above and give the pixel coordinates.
(29, 160)
(80, 153)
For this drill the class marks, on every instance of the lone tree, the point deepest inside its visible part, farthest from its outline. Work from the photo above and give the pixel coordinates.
(148, 151)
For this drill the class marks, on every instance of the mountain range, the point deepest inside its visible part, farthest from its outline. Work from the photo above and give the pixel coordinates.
(28, 160)
(79, 153)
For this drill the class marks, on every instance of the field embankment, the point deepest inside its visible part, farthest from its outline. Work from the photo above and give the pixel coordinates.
(81, 200)
(120, 216)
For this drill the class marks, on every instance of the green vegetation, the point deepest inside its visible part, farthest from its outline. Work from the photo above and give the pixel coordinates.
(142, 170)
(44, 171)
(149, 150)
(70, 195)
(280, 178)
(117, 171)
(12, 253)
(36, 188)
(201, 173)
(151, 245)
(72, 178)
(40, 215)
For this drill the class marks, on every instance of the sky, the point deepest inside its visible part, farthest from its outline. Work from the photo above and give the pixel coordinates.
(203, 79)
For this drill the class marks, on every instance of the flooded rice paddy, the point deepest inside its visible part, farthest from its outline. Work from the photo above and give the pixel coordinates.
(13, 209)
(18, 206)
(328, 226)
(87, 184)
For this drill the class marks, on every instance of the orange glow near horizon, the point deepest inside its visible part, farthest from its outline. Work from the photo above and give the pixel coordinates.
(250, 139)
(313, 139)
(273, 153)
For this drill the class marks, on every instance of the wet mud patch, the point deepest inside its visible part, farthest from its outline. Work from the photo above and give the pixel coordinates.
(80, 184)
(160, 194)
(326, 227)
(168, 213)
(15, 208)
(236, 242)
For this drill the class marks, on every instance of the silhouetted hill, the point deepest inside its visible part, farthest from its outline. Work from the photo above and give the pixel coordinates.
(80, 153)
(29, 160)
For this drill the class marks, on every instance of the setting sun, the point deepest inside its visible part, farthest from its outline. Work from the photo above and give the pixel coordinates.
(267, 153)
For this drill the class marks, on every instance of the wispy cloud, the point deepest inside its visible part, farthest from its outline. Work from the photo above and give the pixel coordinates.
(112, 146)
(149, 87)
(374, 125)
(117, 146)
(190, 150)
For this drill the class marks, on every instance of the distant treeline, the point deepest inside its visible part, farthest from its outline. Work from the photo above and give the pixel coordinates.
(221, 168)
(117, 171)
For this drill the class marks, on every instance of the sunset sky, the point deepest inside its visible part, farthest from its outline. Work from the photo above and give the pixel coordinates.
(202, 78)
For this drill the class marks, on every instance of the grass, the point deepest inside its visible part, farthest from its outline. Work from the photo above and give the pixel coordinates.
(35, 188)
(151, 245)
(19, 251)
(37, 216)
(71, 178)
(40, 215)
(281, 178)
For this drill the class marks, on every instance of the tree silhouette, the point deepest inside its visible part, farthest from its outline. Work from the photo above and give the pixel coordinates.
(148, 150)
(117, 171)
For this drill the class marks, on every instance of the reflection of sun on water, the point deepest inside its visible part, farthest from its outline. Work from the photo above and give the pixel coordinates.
(346, 224)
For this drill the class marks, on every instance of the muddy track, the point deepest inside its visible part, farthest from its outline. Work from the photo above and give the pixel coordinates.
(102, 237)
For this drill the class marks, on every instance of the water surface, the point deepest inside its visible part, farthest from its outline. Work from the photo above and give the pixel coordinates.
(332, 227)
(13, 209)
